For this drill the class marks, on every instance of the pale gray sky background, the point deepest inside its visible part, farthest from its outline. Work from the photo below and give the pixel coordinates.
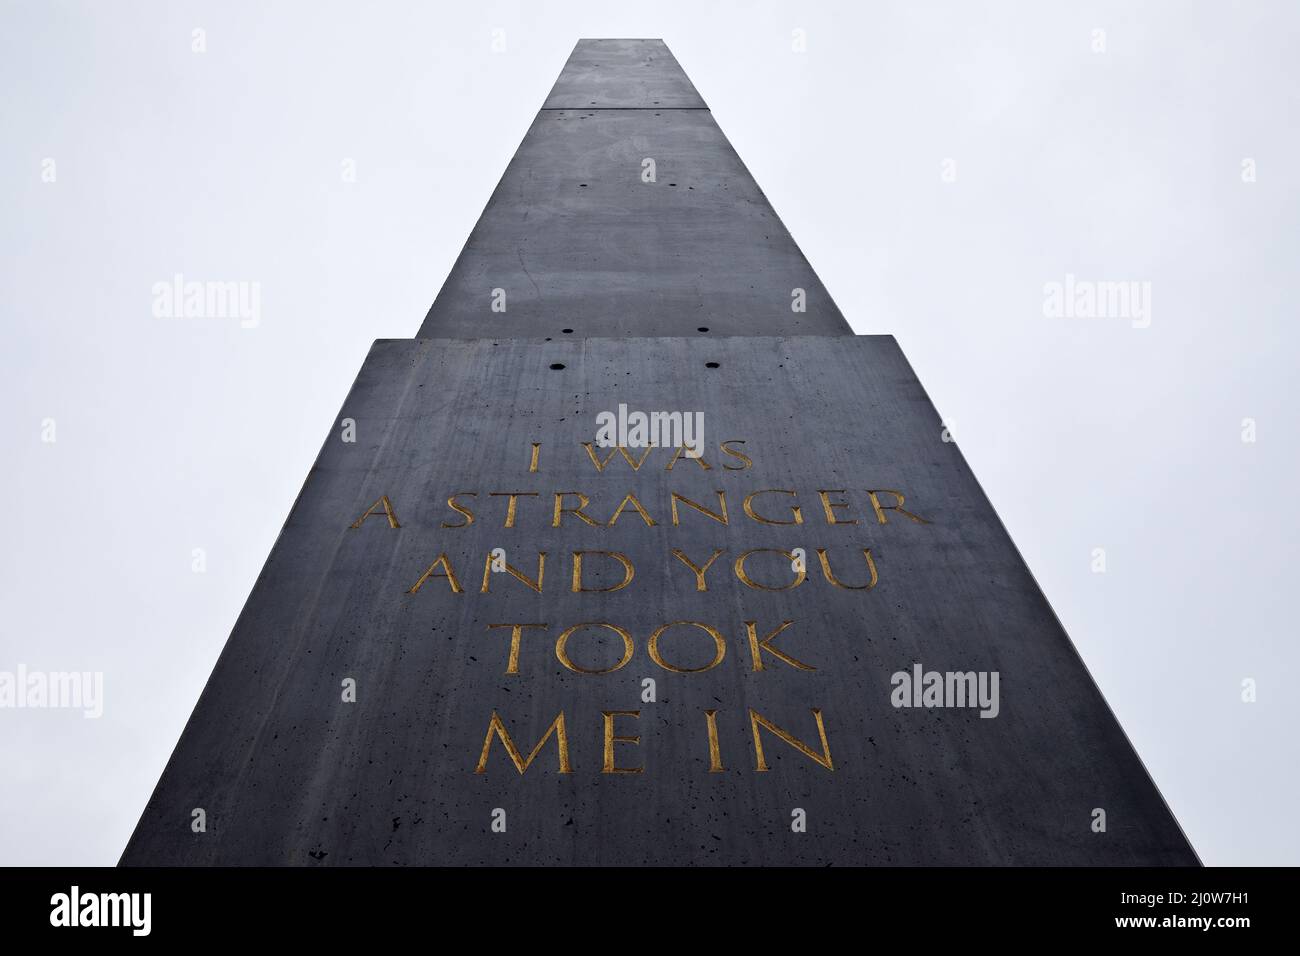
(1086, 433)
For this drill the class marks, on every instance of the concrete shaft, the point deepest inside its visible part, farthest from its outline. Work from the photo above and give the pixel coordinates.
(576, 237)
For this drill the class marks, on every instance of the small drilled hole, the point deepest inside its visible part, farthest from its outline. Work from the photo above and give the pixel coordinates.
(567, 331)
(706, 365)
(702, 328)
(556, 366)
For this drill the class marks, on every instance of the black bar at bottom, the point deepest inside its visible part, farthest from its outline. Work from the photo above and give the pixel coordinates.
(238, 904)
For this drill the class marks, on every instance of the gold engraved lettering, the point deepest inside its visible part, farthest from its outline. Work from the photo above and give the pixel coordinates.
(722, 504)
(497, 727)
(628, 572)
(736, 454)
(826, 570)
(447, 572)
(799, 575)
(610, 740)
(896, 506)
(794, 509)
(719, 646)
(388, 511)
(511, 505)
(699, 572)
(715, 752)
(757, 646)
(582, 503)
(600, 465)
(635, 504)
(535, 585)
(757, 720)
(456, 506)
(516, 636)
(828, 506)
(682, 451)
(562, 647)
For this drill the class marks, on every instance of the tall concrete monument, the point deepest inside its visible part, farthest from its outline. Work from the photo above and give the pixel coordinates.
(637, 555)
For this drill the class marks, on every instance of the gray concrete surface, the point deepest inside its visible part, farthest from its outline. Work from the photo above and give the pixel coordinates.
(576, 239)
(288, 773)
(612, 74)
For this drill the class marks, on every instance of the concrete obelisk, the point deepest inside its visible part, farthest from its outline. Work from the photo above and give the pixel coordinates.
(488, 636)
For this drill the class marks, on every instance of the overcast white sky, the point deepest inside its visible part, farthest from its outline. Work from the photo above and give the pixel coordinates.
(1086, 433)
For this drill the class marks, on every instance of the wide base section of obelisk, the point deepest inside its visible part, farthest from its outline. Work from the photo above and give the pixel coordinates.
(722, 659)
